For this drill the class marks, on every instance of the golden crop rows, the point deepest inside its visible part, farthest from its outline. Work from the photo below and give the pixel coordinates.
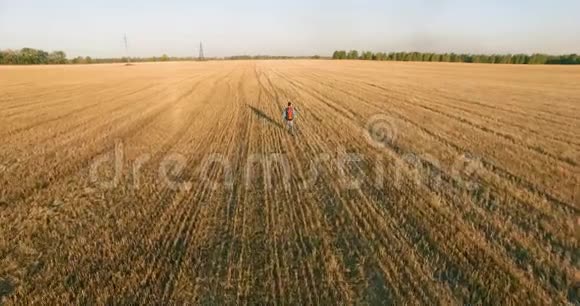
(411, 183)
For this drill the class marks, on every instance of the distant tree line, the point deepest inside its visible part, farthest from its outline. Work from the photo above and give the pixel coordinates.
(162, 58)
(29, 56)
(535, 59)
(262, 57)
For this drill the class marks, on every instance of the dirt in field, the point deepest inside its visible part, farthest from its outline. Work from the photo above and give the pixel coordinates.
(178, 182)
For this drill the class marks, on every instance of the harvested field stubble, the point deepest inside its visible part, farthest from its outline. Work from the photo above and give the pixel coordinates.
(177, 182)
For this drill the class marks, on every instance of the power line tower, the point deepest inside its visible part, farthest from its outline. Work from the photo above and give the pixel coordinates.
(127, 49)
(201, 56)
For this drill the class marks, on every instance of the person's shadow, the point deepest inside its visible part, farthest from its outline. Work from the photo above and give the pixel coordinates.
(263, 115)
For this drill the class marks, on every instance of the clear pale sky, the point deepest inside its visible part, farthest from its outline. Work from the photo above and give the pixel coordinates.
(299, 27)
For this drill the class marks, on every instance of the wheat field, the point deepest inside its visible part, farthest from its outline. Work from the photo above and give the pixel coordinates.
(404, 183)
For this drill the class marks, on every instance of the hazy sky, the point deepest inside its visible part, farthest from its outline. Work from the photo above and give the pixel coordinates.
(298, 27)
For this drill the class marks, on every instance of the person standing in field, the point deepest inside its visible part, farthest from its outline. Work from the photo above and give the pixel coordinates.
(290, 114)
